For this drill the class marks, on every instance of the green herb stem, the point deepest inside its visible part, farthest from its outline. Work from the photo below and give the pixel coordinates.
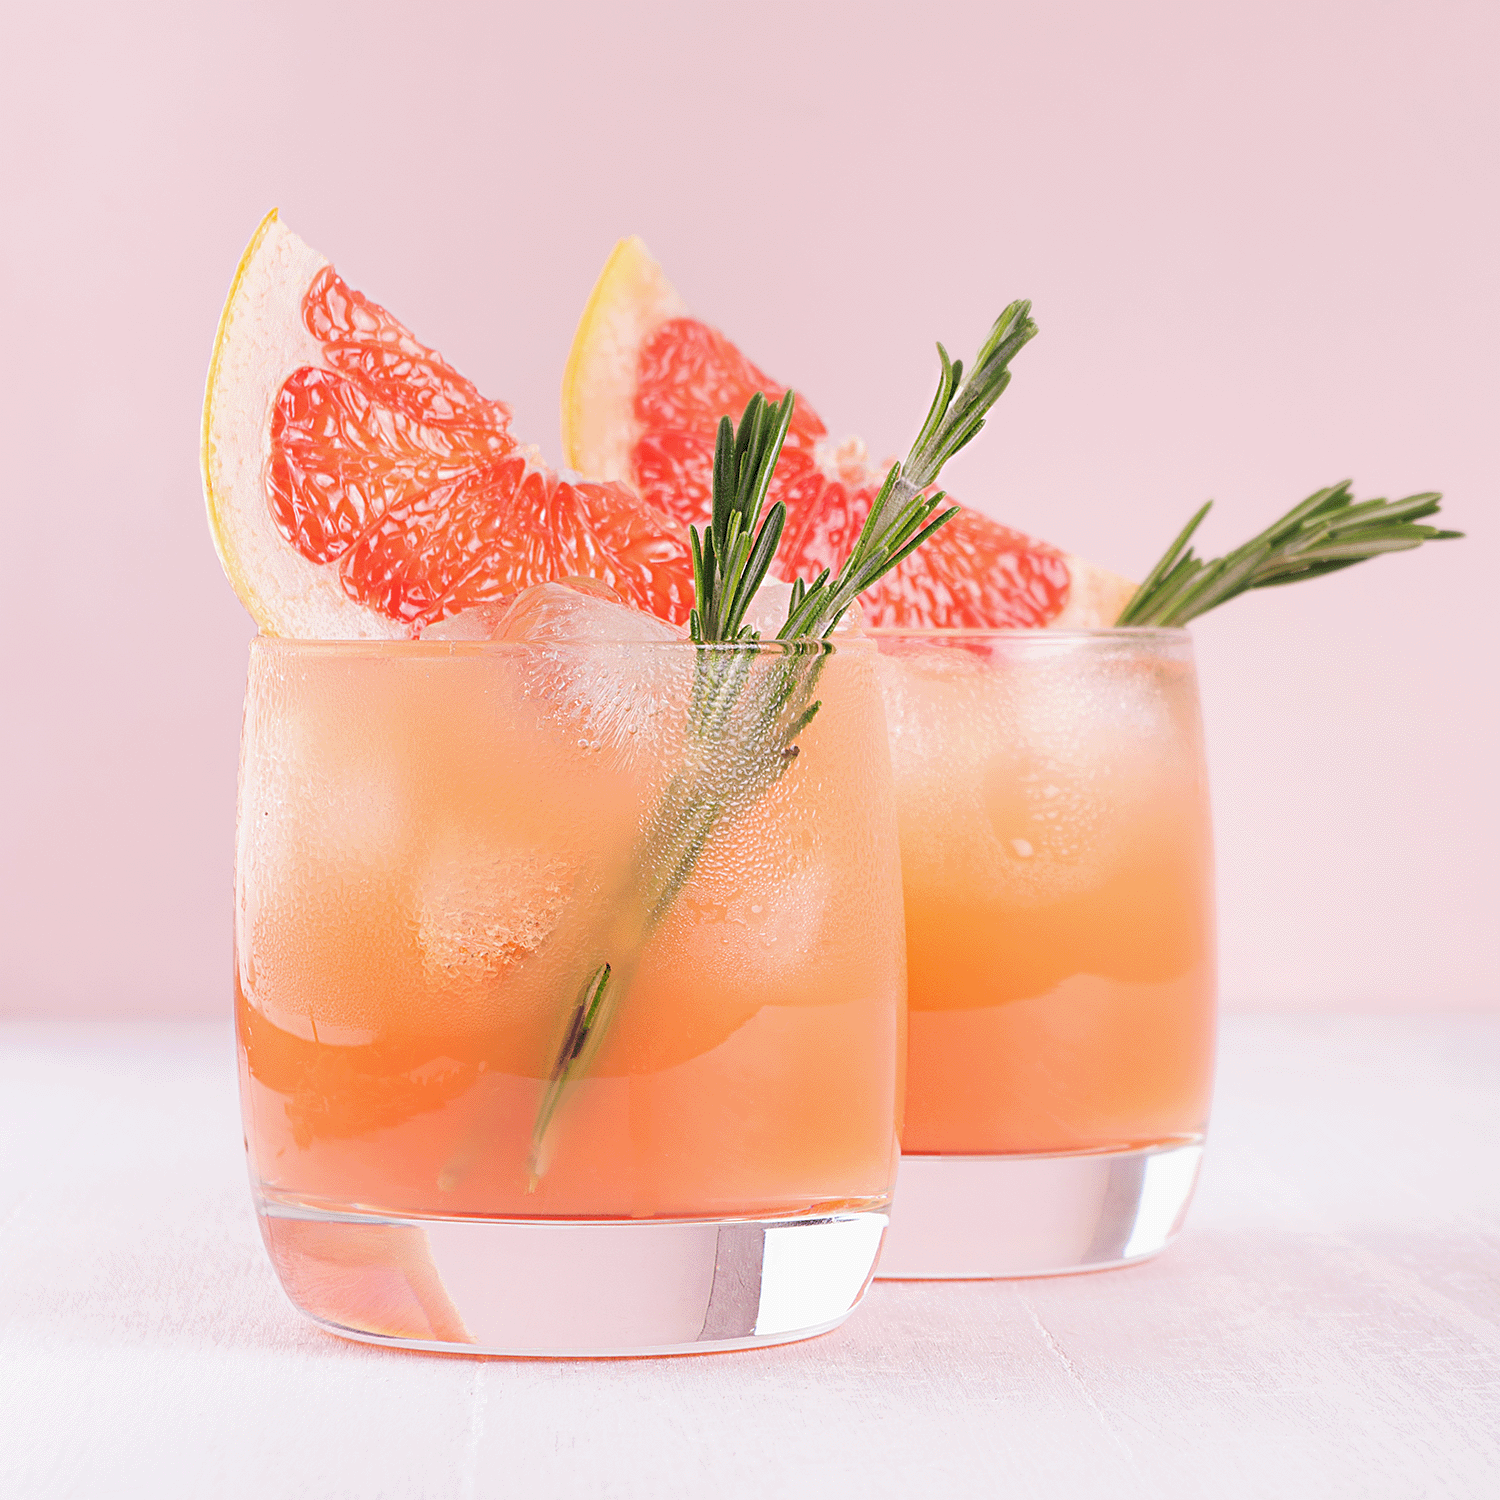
(903, 515)
(1326, 532)
(746, 711)
(749, 707)
(730, 559)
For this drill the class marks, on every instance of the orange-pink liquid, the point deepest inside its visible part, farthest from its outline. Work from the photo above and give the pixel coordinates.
(1057, 863)
(434, 842)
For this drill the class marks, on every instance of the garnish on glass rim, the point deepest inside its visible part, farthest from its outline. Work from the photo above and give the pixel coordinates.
(748, 708)
(645, 386)
(1326, 532)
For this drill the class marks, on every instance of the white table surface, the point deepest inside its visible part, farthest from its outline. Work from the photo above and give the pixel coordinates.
(1328, 1325)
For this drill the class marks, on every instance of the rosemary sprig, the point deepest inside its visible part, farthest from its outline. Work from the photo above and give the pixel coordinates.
(1326, 532)
(901, 518)
(731, 558)
(731, 757)
(959, 408)
(748, 708)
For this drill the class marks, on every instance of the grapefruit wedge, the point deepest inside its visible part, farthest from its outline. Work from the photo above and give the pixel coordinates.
(358, 486)
(644, 388)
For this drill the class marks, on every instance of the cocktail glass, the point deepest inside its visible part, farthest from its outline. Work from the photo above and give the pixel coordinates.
(1057, 863)
(440, 844)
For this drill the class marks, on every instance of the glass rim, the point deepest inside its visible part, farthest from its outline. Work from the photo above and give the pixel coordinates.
(1040, 634)
(803, 645)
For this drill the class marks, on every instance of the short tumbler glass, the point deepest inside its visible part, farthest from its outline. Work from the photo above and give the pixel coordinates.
(458, 1138)
(1058, 870)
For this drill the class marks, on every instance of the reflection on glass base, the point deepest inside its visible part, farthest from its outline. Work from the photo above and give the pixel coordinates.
(571, 1288)
(960, 1217)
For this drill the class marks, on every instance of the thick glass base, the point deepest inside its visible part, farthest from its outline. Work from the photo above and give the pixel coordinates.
(980, 1216)
(572, 1288)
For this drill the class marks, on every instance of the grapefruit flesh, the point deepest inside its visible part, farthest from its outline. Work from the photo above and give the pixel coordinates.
(645, 386)
(359, 486)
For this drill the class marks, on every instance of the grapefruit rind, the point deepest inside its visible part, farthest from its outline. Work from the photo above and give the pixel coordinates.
(262, 339)
(1095, 596)
(630, 301)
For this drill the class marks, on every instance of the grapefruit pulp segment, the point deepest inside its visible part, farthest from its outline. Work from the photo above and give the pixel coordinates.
(359, 486)
(648, 418)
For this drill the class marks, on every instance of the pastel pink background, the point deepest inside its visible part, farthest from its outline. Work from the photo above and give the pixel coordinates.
(1262, 243)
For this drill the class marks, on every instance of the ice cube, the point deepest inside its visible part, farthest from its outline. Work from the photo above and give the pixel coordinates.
(579, 609)
(757, 904)
(477, 623)
(1023, 764)
(603, 672)
(481, 907)
(779, 924)
(571, 609)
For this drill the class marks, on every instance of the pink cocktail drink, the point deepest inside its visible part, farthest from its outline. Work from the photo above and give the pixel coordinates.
(439, 843)
(1057, 861)
(533, 938)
